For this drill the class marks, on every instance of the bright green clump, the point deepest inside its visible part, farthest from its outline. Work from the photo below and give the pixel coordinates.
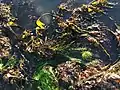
(86, 55)
(45, 80)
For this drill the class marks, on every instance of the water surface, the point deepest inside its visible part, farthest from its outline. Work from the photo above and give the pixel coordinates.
(23, 8)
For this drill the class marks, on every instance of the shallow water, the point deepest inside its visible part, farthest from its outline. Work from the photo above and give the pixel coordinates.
(24, 8)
